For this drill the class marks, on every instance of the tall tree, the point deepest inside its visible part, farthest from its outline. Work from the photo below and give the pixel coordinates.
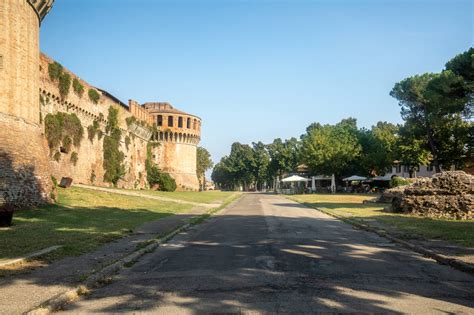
(284, 156)
(330, 149)
(410, 150)
(378, 148)
(435, 108)
(203, 163)
(261, 163)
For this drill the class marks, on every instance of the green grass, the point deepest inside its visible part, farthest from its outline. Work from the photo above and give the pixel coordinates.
(81, 221)
(460, 232)
(193, 196)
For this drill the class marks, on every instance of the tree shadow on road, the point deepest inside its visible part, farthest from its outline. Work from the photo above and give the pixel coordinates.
(237, 263)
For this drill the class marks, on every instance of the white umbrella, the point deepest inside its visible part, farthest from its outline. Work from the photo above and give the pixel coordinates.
(294, 178)
(333, 184)
(354, 178)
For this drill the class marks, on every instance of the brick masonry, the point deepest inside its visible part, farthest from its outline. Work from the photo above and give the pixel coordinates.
(27, 95)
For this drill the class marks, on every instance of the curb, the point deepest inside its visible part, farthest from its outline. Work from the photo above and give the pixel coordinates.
(21, 260)
(58, 302)
(441, 259)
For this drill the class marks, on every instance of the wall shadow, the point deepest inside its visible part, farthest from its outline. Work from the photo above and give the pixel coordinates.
(20, 188)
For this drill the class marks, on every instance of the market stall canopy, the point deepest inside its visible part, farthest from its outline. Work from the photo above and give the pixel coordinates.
(354, 178)
(295, 178)
(321, 177)
(383, 178)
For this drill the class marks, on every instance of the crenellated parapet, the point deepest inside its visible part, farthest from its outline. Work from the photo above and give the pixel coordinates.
(41, 7)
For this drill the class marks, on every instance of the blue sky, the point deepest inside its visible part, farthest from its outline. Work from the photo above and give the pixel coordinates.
(258, 70)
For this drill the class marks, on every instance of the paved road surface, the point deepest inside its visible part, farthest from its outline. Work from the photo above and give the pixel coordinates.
(269, 254)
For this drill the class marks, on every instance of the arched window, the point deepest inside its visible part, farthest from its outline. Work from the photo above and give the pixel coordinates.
(188, 123)
(170, 121)
(180, 122)
(194, 124)
(159, 120)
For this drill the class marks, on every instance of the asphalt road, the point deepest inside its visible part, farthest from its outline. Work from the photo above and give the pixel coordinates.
(269, 254)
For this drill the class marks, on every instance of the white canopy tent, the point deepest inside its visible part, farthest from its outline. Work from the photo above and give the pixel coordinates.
(318, 178)
(354, 178)
(295, 179)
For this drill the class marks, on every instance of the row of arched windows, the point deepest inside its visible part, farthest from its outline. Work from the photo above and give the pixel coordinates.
(180, 123)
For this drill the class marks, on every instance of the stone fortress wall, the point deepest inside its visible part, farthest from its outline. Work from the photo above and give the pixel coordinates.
(175, 153)
(90, 153)
(24, 168)
(27, 95)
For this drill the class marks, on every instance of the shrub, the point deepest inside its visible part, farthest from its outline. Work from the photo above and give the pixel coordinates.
(57, 156)
(127, 141)
(61, 125)
(153, 175)
(77, 87)
(67, 142)
(92, 130)
(64, 84)
(74, 158)
(130, 120)
(92, 177)
(91, 133)
(54, 180)
(55, 70)
(398, 181)
(94, 96)
(167, 183)
(112, 120)
(113, 157)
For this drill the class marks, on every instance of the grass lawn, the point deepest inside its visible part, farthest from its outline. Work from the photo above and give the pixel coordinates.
(350, 205)
(193, 196)
(81, 221)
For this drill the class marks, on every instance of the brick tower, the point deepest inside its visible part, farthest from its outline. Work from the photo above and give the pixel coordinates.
(24, 169)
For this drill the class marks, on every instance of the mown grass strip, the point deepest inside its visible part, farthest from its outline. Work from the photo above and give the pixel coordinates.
(407, 226)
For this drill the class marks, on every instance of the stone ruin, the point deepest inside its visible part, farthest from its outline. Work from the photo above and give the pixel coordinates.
(448, 195)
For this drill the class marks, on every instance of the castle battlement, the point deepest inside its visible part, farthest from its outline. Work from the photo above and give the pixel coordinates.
(41, 7)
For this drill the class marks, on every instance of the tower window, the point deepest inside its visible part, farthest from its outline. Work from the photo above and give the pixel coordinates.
(180, 122)
(159, 120)
(188, 123)
(170, 121)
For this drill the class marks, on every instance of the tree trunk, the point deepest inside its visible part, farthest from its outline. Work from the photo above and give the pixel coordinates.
(431, 142)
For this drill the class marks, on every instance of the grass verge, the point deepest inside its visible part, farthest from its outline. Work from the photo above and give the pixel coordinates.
(405, 225)
(81, 221)
(197, 220)
(213, 196)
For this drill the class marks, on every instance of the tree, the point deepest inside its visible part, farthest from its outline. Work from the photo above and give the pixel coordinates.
(222, 175)
(241, 162)
(378, 148)
(411, 151)
(261, 163)
(436, 106)
(237, 169)
(330, 149)
(203, 163)
(284, 156)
